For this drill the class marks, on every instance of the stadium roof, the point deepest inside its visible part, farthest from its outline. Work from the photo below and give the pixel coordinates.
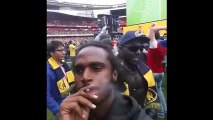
(85, 8)
(87, 4)
(93, 2)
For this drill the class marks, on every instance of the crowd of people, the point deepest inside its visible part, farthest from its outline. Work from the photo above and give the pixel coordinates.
(108, 79)
(77, 40)
(79, 34)
(76, 21)
(71, 32)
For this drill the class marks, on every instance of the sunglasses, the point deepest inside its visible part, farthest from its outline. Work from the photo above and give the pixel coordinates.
(134, 48)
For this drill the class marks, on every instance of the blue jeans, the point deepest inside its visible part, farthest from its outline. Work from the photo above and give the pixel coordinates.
(158, 80)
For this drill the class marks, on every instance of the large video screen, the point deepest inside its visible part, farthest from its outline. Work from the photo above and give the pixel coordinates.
(142, 11)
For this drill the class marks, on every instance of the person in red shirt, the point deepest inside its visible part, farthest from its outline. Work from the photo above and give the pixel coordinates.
(155, 56)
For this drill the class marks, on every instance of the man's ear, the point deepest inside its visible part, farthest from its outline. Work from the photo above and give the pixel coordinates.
(114, 76)
(51, 53)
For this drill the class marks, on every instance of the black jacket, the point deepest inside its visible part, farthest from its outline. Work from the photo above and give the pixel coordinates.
(141, 86)
(126, 108)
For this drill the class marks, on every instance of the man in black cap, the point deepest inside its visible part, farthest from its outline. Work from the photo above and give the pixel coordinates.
(140, 83)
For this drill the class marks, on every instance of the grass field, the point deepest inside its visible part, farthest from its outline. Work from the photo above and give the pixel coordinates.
(51, 117)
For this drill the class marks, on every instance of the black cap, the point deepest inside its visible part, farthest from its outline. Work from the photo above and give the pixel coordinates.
(134, 35)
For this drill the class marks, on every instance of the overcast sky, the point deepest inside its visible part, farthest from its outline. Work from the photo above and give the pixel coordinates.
(96, 2)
